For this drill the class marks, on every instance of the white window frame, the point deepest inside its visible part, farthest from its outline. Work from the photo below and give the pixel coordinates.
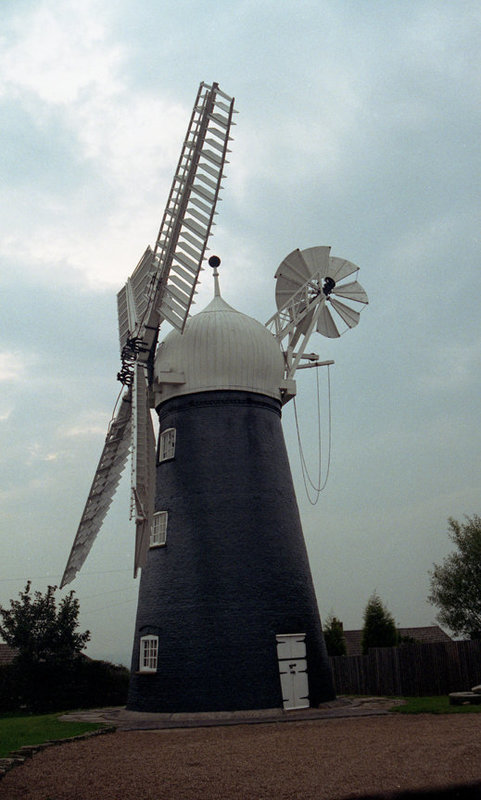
(167, 444)
(149, 653)
(158, 532)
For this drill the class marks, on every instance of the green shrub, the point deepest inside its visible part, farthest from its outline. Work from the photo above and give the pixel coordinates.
(102, 684)
(9, 696)
(53, 686)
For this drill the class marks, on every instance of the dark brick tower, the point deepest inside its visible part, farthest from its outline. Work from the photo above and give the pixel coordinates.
(227, 615)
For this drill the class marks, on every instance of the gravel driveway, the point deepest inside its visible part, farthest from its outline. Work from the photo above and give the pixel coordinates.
(329, 758)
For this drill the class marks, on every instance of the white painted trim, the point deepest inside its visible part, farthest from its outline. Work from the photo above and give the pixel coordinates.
(149, 653)
(167, 444)
(158, 532)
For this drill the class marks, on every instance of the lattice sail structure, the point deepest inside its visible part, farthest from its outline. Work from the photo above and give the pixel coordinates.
(163, 284)
(133, 298)
(107, 476)
(161, 287)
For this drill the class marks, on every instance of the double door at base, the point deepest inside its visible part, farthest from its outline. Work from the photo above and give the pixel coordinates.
(291, 653)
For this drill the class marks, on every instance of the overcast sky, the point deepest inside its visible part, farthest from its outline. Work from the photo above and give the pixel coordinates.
(358, 128)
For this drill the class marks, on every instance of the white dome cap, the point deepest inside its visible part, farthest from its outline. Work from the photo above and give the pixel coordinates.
(220, 348)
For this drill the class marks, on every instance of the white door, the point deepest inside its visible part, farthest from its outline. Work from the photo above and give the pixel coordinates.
(291, 652)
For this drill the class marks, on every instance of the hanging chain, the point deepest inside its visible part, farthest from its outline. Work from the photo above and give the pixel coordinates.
(319, 486)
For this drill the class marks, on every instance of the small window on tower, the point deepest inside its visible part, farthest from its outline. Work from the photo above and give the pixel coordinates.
(167, 444)
(149, 652)
(158, 532)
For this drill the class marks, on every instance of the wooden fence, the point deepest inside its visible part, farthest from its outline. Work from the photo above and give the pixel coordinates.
(410, 670)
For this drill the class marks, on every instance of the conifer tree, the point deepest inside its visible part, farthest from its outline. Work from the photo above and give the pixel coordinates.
(379, 627)
(334, 637)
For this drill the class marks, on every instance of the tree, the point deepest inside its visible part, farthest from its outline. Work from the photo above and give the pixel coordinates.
(45, 672)
(334, 637)
(39, 630)
(379, 627)
(456, 583)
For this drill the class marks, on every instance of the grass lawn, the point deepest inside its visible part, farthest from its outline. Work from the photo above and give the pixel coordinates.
(17, 730)
(433, 705)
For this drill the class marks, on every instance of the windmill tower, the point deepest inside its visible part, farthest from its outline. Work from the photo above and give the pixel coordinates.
(227, 616)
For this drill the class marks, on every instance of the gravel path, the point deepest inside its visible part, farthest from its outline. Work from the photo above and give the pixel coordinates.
(334, 758)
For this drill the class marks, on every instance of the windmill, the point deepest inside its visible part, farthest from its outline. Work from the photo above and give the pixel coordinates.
(227, 615)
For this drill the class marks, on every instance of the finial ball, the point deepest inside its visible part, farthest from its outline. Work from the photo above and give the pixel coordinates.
(214, 261)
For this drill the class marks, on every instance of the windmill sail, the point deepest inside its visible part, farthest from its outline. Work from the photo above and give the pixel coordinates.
(107, 476)
(143, 468)
(164, 282)
(132, 298)
(161, 287)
